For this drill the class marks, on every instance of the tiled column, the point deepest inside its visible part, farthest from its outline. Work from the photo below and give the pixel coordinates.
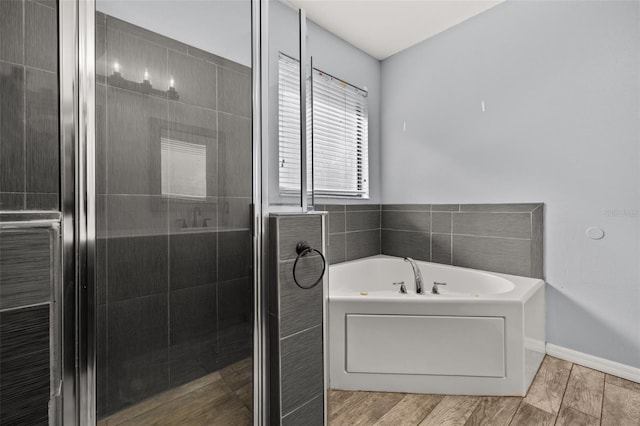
(296, 322)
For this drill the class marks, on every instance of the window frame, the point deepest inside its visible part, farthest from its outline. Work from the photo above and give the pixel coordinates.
(357, 120)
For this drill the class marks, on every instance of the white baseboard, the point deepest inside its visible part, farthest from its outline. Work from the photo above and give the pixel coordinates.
(600, 364)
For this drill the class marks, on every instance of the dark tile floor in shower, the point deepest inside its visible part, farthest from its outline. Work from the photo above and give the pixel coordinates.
(221, 398)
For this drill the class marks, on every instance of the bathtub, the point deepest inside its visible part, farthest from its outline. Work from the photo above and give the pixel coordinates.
(484, 334)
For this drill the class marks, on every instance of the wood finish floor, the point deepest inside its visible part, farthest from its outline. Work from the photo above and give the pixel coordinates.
(224, 397)
(562, 394)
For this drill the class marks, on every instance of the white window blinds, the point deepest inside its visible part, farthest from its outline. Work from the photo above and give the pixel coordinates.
(289, 126)
(339, 144)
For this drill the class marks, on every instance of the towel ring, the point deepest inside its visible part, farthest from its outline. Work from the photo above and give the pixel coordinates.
(303, 248)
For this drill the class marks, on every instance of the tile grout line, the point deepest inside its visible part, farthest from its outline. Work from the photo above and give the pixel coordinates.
(531, 225)
(604, 387)
(451, 238)
(430, 411)
(24, 104)
(217, 213)
(566, 386)
(106, 240)
(461, 235)
(346, 248)
(142, 38)
(390, 408)
(171, 101)
(4, 61)
(379, 229)
(168, 227)
(430, 235)
(517, 409)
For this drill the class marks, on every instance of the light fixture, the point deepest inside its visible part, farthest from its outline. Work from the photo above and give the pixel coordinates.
(117, 80)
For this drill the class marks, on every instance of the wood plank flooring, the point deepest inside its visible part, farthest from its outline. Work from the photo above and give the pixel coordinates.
(223, 398)
(562, 394)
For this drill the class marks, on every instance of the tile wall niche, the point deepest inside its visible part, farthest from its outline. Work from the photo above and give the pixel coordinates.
(175, 287)
(505, 238)
(29, 142)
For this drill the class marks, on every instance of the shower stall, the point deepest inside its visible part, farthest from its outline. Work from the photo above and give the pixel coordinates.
(135, 190)
(130, 212)
(173, 197)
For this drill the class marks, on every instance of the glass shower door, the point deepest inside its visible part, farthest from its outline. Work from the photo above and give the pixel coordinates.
(174, 272)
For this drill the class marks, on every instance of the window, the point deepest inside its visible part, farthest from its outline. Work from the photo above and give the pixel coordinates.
(183, 168)
(339, 146)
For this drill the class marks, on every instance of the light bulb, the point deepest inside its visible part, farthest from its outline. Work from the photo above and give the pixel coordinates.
(146, 74)
(116, 66)
(171, 83)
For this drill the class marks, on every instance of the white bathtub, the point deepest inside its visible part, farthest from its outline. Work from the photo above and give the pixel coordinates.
(483, 335)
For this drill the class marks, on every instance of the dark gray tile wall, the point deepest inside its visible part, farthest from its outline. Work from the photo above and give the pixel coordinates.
(505, 225)
(27, 259)
(511, 256)
(406, 231)
(296, 319)
(137, 352)
(175, 280)
(25, 268)
(24, 366)
(354, 231)
(494, 237)
(302, 372)
(310, 414)
(406, 243)
(29, 142)
(299, 309)
(537, 242)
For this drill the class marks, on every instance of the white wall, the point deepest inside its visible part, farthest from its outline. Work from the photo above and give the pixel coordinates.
(337, 57)
(222, 27)
(561, 85)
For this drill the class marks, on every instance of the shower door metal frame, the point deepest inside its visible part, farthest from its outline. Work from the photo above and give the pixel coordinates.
(68, 99)
(77, 99)
(76, 19)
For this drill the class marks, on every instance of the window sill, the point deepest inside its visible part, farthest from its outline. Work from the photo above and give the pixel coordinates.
(325, 196)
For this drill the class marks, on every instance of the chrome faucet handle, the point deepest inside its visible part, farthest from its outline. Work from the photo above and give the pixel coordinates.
(434, 289)
(403, 288)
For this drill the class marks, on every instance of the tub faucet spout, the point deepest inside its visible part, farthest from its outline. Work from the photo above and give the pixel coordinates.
(416, 274)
